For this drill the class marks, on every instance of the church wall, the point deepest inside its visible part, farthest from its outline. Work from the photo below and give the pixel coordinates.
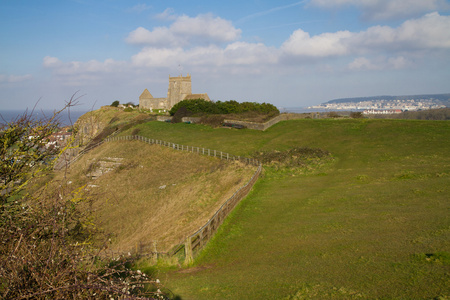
(179, 88)
(153, 103)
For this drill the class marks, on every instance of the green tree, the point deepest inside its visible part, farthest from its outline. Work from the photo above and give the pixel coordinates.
(115, 103)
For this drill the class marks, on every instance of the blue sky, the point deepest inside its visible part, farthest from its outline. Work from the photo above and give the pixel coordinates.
(289, 53)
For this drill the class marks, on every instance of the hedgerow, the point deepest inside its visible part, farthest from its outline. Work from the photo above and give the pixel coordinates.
(200, 106)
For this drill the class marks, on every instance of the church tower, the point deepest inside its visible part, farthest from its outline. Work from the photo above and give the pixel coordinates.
(179, 88)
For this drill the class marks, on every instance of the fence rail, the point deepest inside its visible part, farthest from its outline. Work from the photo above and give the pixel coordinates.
(199, 150)
(198, 240)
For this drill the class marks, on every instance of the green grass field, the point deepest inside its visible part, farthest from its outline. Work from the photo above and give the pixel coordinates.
(373, 224)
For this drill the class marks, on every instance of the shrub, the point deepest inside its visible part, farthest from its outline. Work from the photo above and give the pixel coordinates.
(295, 157)
(181, 113)
(47, 236)
(356, 115)
(135, 131)
(115, 103)
(200, 106)
(212, 120)
(333, 114)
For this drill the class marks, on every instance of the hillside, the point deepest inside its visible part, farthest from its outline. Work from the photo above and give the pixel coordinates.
(91, 124)
(148, 193)
(372, 224)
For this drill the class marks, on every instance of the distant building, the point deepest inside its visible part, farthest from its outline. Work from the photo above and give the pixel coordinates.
(381, 111)
(180, 89)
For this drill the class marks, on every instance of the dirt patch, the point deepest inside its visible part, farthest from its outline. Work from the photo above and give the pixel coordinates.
(294, 158)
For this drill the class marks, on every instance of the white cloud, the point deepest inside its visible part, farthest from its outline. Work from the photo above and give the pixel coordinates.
(203, 29)
(139, 8)
(51, 62)
(387, 9)
(206, 26)
(241, 53)
(157, 57)
(77, 67)
(19, 78)
(159, 37)
(430, 32)
(377, 48)
(379, 63)
(300, 43)
(362, 63)
(167, 15)
(15, 78)
(77, 73)
(235, 54)
(398, 62)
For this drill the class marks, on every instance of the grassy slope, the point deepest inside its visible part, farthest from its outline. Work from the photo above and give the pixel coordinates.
(131, 203)
(374, 225)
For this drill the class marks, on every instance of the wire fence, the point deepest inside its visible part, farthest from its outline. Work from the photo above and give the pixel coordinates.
(198, 240)
(199, 150)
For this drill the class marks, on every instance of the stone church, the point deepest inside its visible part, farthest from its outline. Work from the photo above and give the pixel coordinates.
(179, 89)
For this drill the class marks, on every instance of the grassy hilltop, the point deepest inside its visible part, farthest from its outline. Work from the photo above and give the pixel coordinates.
(373, 223)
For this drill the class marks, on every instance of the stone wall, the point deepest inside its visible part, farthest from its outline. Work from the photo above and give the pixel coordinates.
(275, 120)
(184, 119)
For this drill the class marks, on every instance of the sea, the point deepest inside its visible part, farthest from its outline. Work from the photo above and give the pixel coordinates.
(66, 118)
(300, 110)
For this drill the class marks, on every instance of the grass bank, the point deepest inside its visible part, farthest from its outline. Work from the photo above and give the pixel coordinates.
(373, 224)
(145, 193)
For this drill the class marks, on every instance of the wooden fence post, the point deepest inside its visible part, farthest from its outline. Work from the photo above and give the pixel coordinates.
(188, 251)
(155, 253)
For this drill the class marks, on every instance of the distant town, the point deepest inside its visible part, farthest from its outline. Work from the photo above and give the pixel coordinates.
(387, 104)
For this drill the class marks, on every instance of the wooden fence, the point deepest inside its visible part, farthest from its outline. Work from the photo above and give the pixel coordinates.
(199, 239)
(199, 150)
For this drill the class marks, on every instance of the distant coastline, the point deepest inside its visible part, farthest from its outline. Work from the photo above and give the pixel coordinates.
(65, 118)
(300, 110)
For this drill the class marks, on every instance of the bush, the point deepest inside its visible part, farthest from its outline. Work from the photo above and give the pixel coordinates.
(294, 158)
(49, 247)
(356, 115)
(200, 106)
(333, 114)
(195, 106)
(181, 113)
(212, 120)
(115, 103)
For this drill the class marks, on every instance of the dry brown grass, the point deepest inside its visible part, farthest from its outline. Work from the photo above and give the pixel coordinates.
(156, 194)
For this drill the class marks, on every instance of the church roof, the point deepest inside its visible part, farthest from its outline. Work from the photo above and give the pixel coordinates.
(145, 95)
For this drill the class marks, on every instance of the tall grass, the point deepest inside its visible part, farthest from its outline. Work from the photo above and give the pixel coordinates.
(372, 224)
(149, 193)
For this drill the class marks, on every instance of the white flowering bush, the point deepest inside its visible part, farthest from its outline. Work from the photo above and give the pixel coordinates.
(49, 246)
